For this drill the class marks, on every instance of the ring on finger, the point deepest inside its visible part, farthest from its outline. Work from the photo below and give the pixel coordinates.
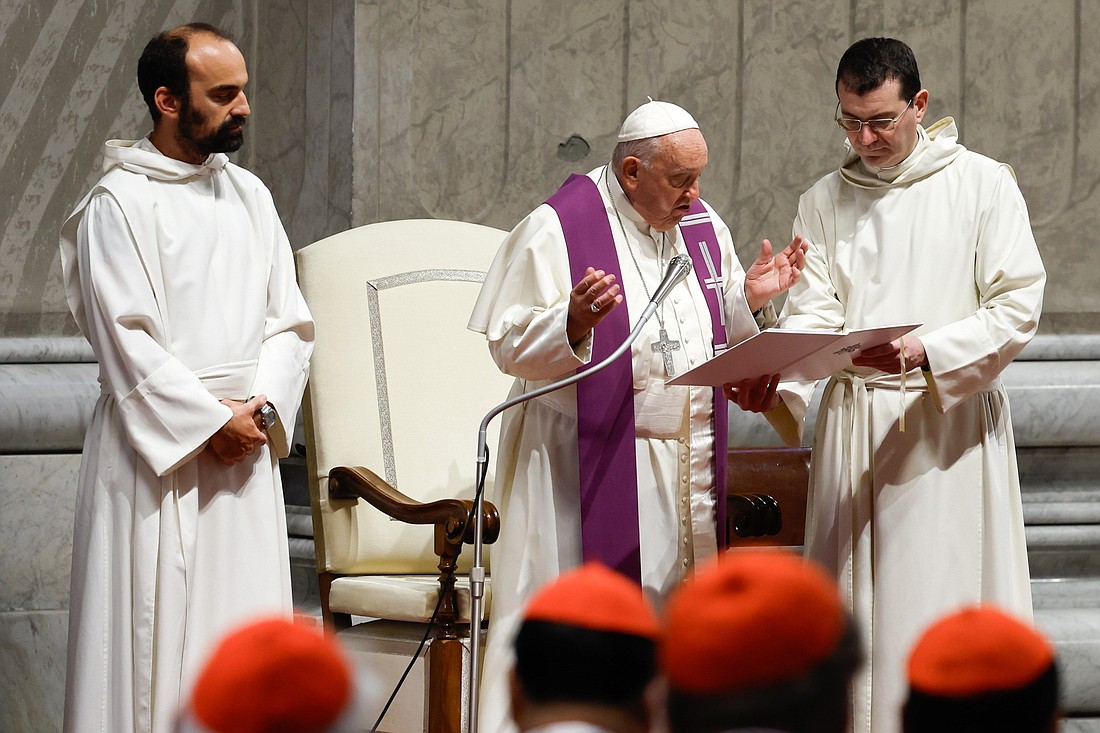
(595, 306)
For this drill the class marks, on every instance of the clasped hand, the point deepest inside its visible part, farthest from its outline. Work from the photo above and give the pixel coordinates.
(888, 357)
(242, 434)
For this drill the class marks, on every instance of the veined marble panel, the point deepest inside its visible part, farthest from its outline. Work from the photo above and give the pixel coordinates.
(32, 671)
(1060, 561)
(437, 108)
(302, 75)
(478, 110)
(1085, 510)
(785, 140)
(1066, 593)
(932, 29)
(1046, 57)
(1057, 468)
(71, 86)
(565, 77)
(1076, 636)
(37, 507)
(691, 53)
(45, 349)
(1070, 536)
(1062, 347)
(276, 90)
(46, 407)
(1054, 403)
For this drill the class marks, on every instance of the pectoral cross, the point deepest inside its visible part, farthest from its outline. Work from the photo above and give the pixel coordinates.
(666, 346)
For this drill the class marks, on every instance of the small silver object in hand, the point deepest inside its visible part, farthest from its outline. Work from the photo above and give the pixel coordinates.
(595, 306)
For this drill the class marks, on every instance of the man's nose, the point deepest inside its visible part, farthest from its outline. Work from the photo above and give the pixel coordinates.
(867, 135)
(240, 106)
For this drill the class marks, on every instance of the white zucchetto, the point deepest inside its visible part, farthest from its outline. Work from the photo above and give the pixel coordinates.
(654, 119)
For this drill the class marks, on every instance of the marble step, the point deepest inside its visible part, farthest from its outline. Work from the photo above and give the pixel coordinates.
(1075, 634)
(1061, 511)
(299, 521)
(1066, 593)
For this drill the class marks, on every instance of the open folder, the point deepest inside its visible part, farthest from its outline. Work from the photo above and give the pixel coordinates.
(795, 354)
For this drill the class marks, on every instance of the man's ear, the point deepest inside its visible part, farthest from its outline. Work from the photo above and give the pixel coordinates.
(628, 175)
(920, 104)
(167, 102)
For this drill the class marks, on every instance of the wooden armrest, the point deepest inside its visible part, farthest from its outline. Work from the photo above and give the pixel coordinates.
(455, 515)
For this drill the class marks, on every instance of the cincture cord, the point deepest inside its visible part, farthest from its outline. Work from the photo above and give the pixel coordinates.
(901, 358)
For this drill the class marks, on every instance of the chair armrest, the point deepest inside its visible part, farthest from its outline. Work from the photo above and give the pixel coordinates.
(455, 515)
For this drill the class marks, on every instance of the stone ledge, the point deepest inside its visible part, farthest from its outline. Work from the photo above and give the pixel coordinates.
(1076, 635)
(1062, 347)
(45, 350)
(47, 407)
(1065, 593)
(1080, 725)
(1054, 404)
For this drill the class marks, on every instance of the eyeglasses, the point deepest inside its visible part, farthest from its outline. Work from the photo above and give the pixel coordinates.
(883, 124)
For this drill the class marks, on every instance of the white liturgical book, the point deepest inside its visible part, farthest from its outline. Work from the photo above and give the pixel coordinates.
(796, 355)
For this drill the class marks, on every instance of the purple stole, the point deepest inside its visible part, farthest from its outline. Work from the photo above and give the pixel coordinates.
(605, 401)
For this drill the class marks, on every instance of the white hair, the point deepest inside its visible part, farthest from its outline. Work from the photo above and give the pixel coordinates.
(645, 150)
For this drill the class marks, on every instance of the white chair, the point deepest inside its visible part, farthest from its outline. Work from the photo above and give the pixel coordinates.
(397, 390)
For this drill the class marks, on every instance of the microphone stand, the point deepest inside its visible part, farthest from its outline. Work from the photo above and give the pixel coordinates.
(678, 269)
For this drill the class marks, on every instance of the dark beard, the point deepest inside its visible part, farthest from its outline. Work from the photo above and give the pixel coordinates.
(222, 140)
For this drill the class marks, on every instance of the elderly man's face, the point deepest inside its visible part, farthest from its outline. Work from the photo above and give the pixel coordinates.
(213, 113)
(888, 148)
(663, 193)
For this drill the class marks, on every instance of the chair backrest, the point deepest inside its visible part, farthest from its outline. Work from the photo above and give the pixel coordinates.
(397, 382)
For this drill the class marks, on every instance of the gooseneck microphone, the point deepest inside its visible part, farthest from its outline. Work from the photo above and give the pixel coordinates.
(679, 267)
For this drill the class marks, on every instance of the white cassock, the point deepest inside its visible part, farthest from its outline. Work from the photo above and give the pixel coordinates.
(522, 311)
(916, 523)
(182, 279)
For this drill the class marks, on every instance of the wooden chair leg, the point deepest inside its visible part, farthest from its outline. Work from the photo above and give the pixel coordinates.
(334, 622)
(445, 663)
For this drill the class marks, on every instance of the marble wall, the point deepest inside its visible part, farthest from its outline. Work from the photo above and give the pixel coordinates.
(478, 110)
(370, 110)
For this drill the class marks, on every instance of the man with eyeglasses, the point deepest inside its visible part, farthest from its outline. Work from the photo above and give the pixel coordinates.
(914, 494)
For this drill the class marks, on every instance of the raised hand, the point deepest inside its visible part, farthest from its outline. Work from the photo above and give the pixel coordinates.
(769, 276)
(590, 301)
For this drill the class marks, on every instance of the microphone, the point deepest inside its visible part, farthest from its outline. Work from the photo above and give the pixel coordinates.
(679, 267)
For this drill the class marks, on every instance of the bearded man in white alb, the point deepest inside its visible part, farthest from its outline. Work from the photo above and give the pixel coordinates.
(618, 468)
(180, 275)
(914, 495)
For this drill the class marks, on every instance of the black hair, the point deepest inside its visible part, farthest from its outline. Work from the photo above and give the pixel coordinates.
(1028, 709)
(163, 63)
(869, 63)
(560, 663)
(815, 702)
